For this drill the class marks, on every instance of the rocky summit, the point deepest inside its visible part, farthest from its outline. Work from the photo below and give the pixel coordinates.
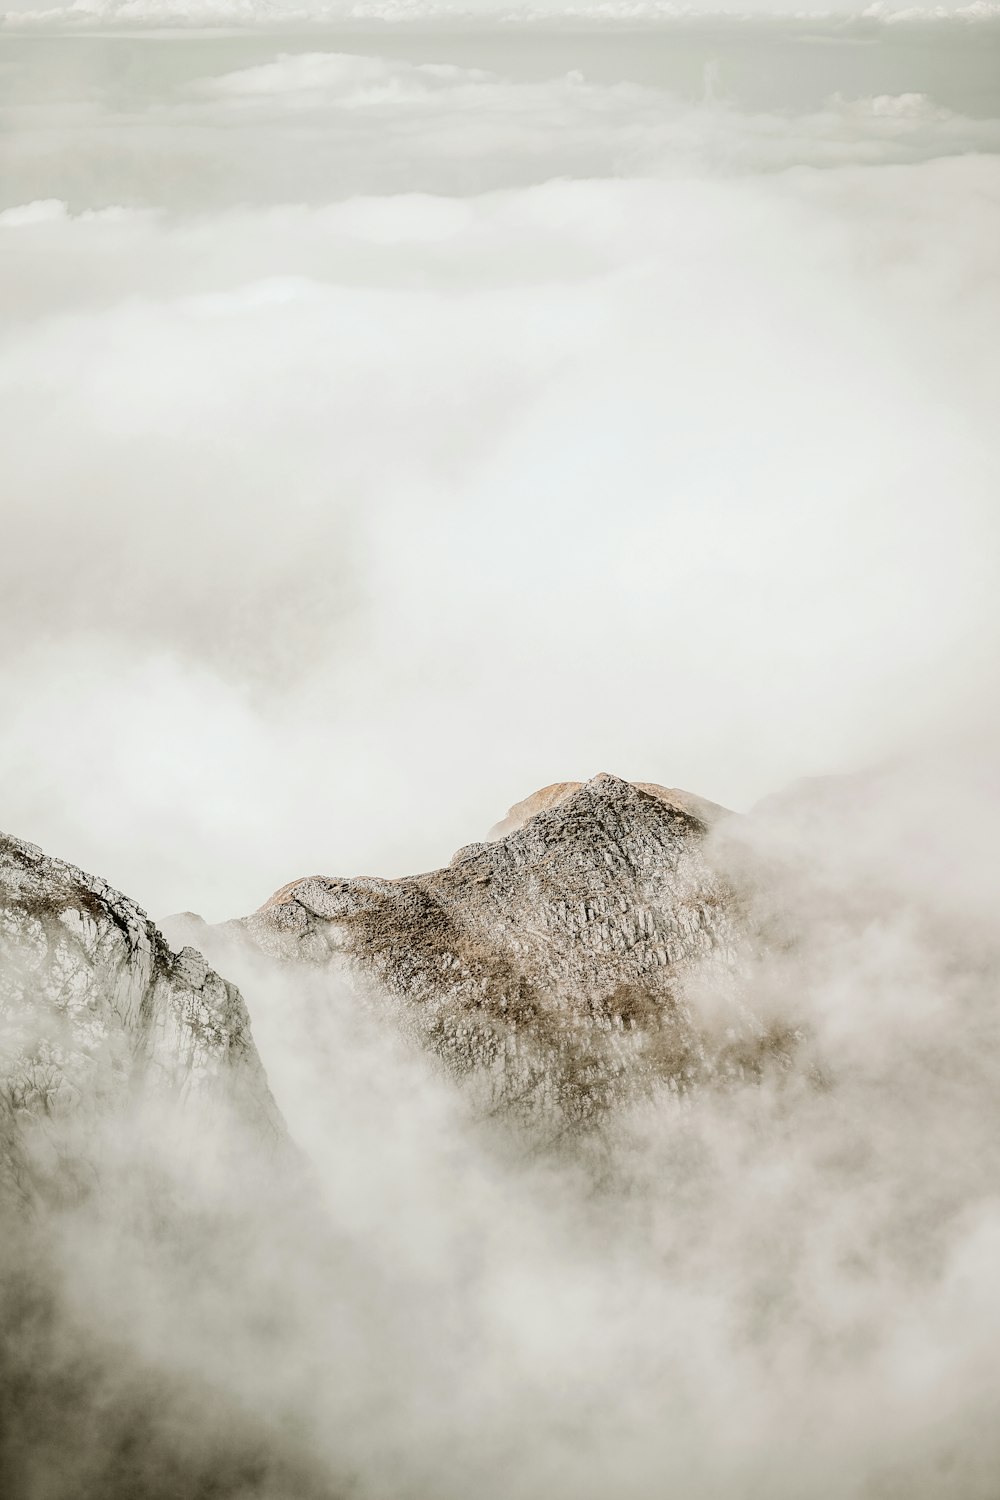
(586, 950)
(590, 949)
(97, 1012)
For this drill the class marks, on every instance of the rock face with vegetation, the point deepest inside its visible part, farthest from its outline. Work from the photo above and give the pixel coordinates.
(586, 950)
(97, 1012)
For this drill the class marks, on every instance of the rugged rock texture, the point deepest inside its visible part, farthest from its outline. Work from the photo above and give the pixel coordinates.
(568, 961)
(96, 1010)
(148, 1192)
(560, 791)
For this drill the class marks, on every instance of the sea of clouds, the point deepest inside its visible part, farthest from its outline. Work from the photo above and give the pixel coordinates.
(783, 1291)
(387, 432)
(385, 437)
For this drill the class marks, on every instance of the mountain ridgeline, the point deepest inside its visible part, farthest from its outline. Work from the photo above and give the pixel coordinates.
(588, 950)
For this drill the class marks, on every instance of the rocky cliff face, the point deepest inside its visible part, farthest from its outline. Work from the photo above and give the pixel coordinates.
(96, 1011)
(567, 961)
(143, 1163)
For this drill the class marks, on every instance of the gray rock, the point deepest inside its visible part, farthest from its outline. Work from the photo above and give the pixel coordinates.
(96, 1010)
(560, 963)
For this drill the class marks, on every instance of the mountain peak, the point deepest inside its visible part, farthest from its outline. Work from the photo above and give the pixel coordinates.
(556, 959)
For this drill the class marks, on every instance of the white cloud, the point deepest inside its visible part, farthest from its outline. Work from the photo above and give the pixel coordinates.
(632, 442)
(624, 474)
(382, 441)
(611, 13)
(313, 127)
(345, 80)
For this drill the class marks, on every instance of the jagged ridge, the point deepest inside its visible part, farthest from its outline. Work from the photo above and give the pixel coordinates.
(96, 1008)
(559, 959)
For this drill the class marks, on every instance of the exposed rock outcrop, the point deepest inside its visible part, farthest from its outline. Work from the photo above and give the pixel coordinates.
(143, 1164)
(560, 791)
(567, 961)
(96, 1010)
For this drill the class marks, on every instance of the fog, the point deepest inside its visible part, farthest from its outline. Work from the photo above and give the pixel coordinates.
(385, 438)
(784, 1290)
(394, 422)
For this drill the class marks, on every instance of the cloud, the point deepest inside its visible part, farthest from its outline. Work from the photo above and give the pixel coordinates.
(345, 81)
(308, 126)
(630, 439)
(385, 437)
(545, 13)
(740, 1289)
(979, 10)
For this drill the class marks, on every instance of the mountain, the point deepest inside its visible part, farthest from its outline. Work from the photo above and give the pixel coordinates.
(588, 949)
(98, 1014)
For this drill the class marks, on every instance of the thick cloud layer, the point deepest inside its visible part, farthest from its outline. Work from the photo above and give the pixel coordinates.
(784, 1291)
(387, 437)
(270, 13)
(387, 433)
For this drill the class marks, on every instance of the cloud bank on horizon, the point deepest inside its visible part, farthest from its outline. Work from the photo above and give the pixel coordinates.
(278, 13)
